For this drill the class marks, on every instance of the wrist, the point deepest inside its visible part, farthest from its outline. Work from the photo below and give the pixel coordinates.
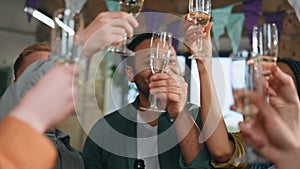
(204, 65)
(30, 118)
(289, 160)
(181, 115)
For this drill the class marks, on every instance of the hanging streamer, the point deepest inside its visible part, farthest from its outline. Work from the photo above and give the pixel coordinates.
(32, 4)
(174, 28)
(234, 29)
(153, 20)
(277, 18)
(220, 19)
(112, 5)
(251, 10)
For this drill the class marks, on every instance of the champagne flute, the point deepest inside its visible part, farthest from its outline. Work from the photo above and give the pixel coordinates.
(265, 45)
(268, 49)
(160, 52)
(65, 47)
(132, 7)
(247, 79)
(200, 11)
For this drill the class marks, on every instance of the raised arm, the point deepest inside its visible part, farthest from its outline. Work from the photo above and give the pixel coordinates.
(106, 29)
(214, 128)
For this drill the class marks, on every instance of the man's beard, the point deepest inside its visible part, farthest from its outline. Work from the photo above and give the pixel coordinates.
(142, 84)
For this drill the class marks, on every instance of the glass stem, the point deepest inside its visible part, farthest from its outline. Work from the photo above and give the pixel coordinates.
(124, 42)
(153, 101)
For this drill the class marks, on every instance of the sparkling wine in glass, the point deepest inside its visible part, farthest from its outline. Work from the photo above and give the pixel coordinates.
(158, 65)
(202, 18)
(132, 7)
(247, 79)
(265, 46)
(160, 52)
(200, 11)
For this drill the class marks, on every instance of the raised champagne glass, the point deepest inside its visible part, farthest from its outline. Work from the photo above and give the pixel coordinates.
(160, 52)
(132, 7)
(265, 46)
(65, 46)
(247, 79)
(200, 12)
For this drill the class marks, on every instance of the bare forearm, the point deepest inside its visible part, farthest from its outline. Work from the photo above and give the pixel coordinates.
(188, 132)
(289, 160)
(214, 126)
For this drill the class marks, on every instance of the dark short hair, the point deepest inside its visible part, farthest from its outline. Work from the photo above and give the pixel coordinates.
(37, 47)
(295, 67)
(138, 39)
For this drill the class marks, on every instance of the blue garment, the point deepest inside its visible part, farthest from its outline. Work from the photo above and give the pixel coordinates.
(264, 165)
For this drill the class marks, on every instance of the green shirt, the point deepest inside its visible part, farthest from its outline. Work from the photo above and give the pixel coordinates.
(112, 142)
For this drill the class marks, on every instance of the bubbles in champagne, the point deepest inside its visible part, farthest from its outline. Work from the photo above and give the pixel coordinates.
(158, 65)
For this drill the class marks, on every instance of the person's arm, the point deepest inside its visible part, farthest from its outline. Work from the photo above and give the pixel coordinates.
(274, 132)
(21, 140)
(272, 137)
(106, 29)
(188, 132)
(214, 128)
(24, 147)
(290, 160)
(172, 87)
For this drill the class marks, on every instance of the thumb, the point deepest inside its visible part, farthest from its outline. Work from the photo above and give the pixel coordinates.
(208, 28)
(280, 75)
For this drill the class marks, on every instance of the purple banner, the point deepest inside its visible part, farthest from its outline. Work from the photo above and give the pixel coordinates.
(153, 20)
(251, 10)
(277, 18)
(174, 28)
(33, 4)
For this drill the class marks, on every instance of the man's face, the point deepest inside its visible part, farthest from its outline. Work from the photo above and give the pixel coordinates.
(142, 66)
(29, 59)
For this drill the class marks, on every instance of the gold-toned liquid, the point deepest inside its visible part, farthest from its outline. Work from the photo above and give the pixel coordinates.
(158, 65)
(267, 62)
(133, 7)
(202, 18)
(242, 102)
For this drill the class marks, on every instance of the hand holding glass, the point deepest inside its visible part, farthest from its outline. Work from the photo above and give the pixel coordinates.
(133, 7)
(246, 80)
(200, 11)
(160, 52)
(65, 47)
